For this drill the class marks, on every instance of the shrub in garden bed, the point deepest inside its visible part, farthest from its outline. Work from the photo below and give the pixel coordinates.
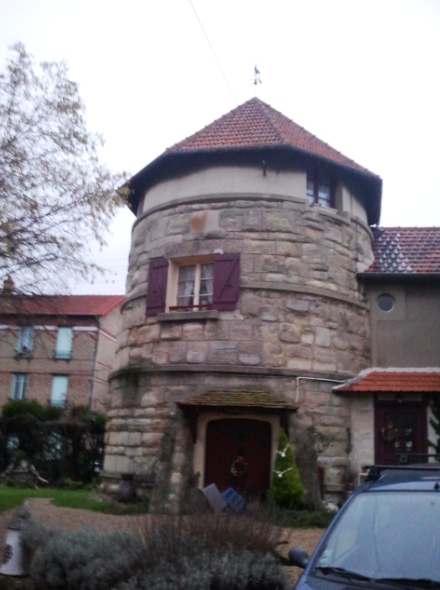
(209, 552)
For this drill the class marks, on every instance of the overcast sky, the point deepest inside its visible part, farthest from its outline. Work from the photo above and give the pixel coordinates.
(362, 75)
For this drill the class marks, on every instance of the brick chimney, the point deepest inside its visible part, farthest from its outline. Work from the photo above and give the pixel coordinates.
(8, 285)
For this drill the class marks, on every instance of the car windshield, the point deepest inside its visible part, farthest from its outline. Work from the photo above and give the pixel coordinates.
(385, 535)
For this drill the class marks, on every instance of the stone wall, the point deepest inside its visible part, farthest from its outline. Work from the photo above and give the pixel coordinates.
(300, 326)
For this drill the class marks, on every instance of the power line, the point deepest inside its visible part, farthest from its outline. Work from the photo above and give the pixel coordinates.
(214, 54)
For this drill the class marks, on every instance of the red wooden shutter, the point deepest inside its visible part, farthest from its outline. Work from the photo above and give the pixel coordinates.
(226, 281)
(157, 285)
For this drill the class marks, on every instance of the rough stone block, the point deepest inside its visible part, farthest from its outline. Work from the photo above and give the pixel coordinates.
(243, 330)
(171, 332)
(194, 357)
(249, 359)
(291, 249)
(161, 356)
(193, 331)
(298, 305)
(178, 352)
(299, 364)
(290, 333)
(151, 439)
(147, 334)
(322, 337)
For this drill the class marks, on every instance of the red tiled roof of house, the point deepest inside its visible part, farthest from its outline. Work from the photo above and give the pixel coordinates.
(88, 305)
(406, 250)
(256, 124)
(393, 380)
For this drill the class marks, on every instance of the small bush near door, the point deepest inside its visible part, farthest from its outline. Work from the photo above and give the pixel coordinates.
(286, 489)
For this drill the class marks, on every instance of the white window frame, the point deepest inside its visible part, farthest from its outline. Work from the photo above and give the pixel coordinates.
(25, 340)
(63, 347)
(19, 386)
(58, 391)
(173, 281)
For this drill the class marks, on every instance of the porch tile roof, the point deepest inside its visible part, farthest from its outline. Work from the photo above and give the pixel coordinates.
(423, 380)
(239, 398)
(406, 250)
(255, 124)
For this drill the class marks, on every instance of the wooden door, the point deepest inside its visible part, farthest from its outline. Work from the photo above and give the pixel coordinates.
(400, 429)
(238, 453)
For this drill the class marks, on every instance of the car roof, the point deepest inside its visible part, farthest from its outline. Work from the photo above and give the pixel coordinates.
(420, 477)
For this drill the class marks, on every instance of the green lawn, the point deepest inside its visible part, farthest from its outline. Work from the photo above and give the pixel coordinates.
(14, 497)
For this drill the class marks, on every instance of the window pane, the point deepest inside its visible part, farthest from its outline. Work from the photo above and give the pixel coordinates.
(19, 386)
(25, 339)
(310, 191)
(324, 195)
(206, 283)
(64, 343)
(185, 289)
(58, 393)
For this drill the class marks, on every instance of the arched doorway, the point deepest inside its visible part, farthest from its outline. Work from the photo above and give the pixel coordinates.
(238, 455)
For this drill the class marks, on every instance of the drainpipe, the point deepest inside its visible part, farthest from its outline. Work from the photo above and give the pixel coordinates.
(314, 379)
(95, 356)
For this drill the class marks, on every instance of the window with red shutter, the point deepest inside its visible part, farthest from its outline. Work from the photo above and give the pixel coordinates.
(157, 286)
(226, 281)
(208, 282)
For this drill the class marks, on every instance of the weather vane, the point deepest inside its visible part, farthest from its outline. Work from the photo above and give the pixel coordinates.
(257, 78)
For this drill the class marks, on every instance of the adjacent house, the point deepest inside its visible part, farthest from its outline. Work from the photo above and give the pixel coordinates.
(262, 294)
(57, 349)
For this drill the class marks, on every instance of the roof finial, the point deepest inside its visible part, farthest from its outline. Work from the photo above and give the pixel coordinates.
(257, 78)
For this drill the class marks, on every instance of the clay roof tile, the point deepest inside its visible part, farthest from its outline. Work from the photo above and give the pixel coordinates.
(397, 380)
(255, 124)
(409, 250)
(88, 305)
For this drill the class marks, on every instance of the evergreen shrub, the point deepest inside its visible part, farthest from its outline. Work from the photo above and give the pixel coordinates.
(286, 489)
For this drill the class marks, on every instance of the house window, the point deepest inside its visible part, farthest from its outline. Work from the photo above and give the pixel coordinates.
(193, 284)
(58, 392)
(63, 349)
(319, 190)
(385, 302)
(25, 340)
(19, 386)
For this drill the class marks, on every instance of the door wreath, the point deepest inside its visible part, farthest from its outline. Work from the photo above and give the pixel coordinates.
(239, 467)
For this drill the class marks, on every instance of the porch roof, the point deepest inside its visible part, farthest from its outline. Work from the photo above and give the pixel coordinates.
(238, 398)
(424, 380)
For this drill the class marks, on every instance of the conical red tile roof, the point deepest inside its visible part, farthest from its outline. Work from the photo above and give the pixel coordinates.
(256, 124)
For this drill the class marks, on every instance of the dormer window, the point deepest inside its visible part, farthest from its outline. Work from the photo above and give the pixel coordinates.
(319, 189)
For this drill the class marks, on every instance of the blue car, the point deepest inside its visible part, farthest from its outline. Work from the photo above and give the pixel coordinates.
(386, 535)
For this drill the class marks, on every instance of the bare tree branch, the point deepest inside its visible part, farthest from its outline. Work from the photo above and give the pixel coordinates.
(55, 196)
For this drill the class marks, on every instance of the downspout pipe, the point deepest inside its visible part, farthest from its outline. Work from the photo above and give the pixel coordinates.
(298, 379)
(95, 358)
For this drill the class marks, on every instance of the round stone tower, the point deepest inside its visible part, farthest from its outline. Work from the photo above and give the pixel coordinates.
(242, 310)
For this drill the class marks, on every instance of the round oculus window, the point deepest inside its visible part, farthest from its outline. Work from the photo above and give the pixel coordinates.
(385, 302)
